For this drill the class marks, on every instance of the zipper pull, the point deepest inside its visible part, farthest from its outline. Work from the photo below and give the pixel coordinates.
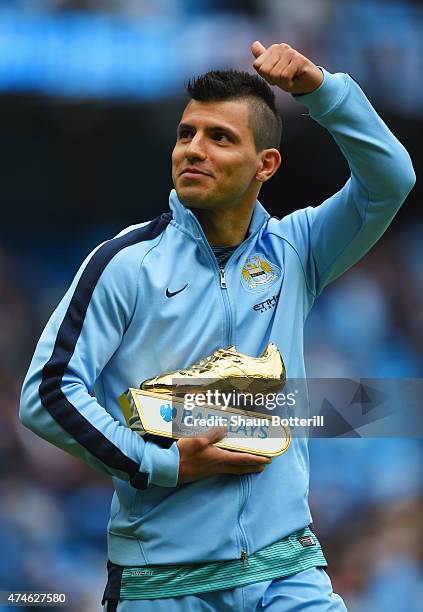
(222, 278)
(244, 557)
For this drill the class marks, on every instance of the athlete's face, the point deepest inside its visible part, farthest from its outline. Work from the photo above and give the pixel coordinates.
(215, 162)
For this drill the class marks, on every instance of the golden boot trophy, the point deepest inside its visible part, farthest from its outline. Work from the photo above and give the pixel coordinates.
(213, 392)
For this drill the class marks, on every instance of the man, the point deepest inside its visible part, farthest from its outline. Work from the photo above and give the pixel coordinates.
(194, 526)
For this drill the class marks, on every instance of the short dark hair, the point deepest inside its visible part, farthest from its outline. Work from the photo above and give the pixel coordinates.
(220, 85)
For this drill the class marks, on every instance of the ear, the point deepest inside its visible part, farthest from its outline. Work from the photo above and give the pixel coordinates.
(270, 160)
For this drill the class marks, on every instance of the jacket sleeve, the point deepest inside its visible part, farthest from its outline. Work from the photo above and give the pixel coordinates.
(57, 401)
(342, 229)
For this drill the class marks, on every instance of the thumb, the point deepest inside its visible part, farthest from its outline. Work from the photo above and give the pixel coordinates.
(257, 49)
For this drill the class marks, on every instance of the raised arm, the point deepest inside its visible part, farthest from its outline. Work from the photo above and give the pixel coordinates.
(333, 236)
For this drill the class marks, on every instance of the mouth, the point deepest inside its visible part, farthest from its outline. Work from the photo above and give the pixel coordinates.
(193, 172)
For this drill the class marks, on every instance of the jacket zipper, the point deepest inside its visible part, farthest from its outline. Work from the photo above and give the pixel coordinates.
(242, 479)
(245, 489)
(223, 278)
(244, 483)
(227, 306)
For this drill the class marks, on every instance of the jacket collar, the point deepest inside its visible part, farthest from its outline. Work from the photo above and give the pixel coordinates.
(185, 218)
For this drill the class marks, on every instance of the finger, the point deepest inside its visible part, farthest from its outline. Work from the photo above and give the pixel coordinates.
(267, 67)
(284, 73)
(234, 458)
(214, 435)
(269, 57)
(257, 49)
(199, 443)
(257, 64)
(292, 70)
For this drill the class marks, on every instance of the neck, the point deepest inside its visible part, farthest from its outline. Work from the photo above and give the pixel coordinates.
(224, 227)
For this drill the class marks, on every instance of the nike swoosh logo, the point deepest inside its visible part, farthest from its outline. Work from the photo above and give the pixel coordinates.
(172, 293)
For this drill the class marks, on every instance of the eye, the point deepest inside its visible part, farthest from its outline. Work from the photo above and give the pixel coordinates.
(184, 133)
(221, 137)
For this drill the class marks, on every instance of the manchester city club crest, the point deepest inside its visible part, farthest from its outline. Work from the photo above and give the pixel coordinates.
(258, 273)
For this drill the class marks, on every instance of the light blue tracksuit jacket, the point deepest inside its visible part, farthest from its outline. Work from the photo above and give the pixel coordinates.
(115, 327)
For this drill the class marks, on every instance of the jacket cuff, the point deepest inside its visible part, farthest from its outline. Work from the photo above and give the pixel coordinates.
(161, 464)
(327, 96)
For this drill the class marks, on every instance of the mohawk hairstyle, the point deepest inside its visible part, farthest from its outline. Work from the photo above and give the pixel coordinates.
(221, 85)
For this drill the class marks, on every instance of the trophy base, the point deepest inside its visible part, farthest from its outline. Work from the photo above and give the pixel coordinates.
(169, 418)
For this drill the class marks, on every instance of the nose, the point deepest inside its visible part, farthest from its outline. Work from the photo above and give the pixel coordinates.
(195, 149)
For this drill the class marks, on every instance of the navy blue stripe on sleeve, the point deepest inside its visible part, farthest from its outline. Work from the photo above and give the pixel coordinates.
(52, 397)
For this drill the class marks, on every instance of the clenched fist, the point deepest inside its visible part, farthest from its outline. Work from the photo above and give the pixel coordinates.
(283, 66)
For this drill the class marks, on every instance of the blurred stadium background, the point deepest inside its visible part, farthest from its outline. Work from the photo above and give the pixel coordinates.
(90, 94)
